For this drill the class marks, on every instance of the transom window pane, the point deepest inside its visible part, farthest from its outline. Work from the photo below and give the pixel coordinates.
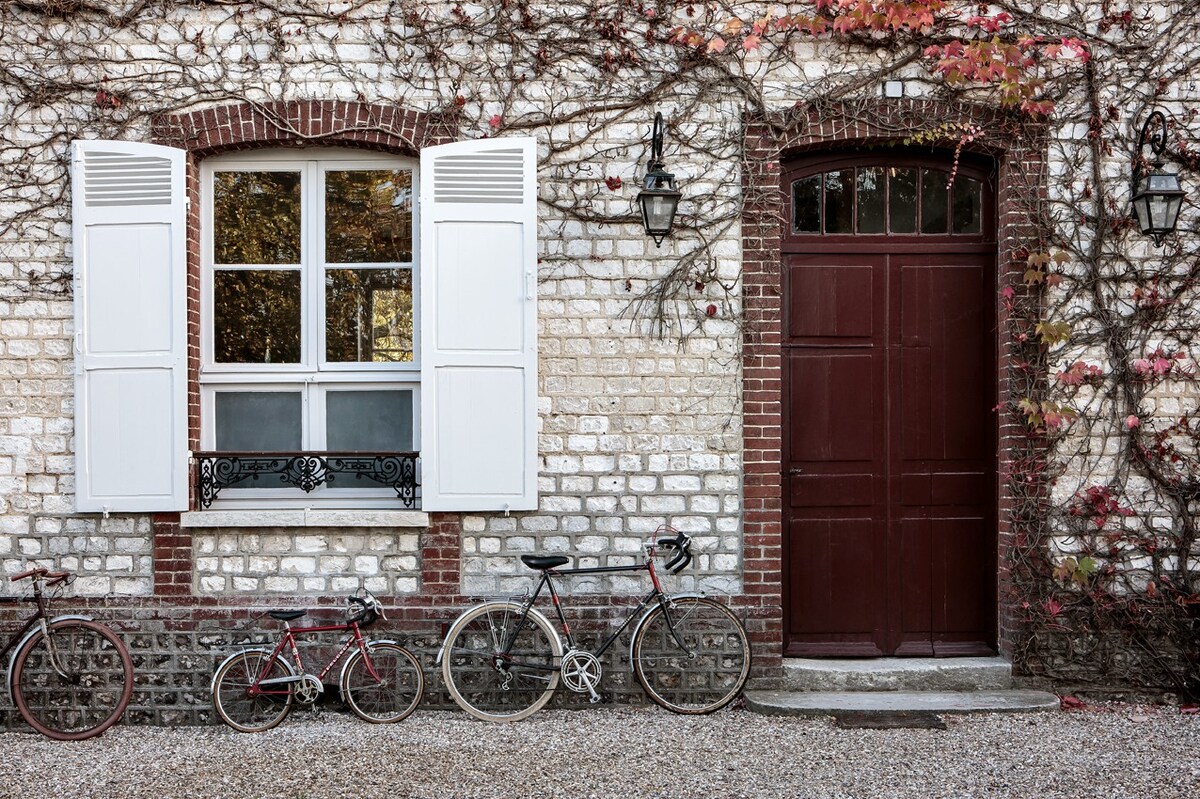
(806, 205)
(902, 200)
(256, 316)
(876, 199)
(368, 216)
(872, 209)
(934, 212)
(258, 421)
(256, 217)
(966, 202)
(368, 315)
(839, 201)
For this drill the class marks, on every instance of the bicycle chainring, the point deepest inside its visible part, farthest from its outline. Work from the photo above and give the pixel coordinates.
(581, 671)
(309, 689)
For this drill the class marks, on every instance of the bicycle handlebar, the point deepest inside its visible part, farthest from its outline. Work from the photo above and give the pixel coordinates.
(52, 578)
(682, 544)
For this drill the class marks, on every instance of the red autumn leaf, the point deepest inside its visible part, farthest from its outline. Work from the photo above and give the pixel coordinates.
(613, 182)
(1007, 292)
(711, 310)
(717, 45)
(496, 121)
(752, 42)
(1071, 703)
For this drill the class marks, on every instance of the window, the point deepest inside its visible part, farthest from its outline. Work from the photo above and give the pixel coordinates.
(877, 199)
(326, 324)
(308, 309)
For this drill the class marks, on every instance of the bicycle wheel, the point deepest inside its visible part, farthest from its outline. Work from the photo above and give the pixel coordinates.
(705, 676)
(86, 693)
(487, 683)
(394, 695)
(242, 710)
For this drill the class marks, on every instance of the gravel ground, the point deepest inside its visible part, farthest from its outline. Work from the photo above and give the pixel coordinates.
(1124, 752)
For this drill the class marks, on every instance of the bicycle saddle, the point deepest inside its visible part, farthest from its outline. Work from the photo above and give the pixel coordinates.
(544, 561)
(286, 615)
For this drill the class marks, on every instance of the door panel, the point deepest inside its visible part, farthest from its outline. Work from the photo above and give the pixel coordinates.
(836, 372)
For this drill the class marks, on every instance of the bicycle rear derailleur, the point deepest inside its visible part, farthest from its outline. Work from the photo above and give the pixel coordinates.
(581, 673)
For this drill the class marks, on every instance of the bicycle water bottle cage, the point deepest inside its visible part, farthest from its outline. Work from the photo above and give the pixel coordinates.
(542, 562)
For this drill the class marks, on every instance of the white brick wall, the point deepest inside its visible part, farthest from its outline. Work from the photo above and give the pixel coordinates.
(635, 431)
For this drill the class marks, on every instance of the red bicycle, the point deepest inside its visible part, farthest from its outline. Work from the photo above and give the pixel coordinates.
(254, 689)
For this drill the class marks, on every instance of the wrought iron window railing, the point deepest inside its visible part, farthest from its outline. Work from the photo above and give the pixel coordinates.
(307, 471)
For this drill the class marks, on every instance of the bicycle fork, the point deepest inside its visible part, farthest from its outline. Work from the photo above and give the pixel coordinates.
(50, 645)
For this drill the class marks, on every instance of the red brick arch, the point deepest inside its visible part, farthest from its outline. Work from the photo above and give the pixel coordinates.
(244, 125)
(1019, 152)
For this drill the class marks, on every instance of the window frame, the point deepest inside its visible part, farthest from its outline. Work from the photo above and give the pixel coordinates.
(314, 376)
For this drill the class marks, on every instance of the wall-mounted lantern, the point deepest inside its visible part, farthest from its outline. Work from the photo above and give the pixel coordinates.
(1157, 196)
(659, 197)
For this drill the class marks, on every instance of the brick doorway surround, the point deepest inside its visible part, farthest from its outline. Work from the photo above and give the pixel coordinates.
(1019, 153)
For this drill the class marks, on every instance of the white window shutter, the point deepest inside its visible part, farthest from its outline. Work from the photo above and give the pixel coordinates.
(130, 230)
(478, 350)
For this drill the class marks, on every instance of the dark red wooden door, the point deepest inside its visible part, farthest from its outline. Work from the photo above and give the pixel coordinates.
(890, 441)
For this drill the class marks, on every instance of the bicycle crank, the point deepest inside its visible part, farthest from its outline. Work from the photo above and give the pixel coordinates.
(581, 672)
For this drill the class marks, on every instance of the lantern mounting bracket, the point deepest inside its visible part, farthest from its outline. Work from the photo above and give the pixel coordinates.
(1157, 140)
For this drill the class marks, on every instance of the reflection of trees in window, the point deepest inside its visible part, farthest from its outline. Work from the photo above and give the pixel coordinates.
(368, 216)
(256, 316)
(368, 315)
(256, 217)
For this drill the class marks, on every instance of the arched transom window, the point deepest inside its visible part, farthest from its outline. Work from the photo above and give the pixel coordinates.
(881, 200)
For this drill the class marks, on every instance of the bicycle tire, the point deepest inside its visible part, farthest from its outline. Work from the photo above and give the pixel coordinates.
(394, 697)
(231, 698)
(704, 679)
(96, 691)
(491, 688)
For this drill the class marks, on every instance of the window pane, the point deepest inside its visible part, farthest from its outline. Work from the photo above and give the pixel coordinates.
(368, 315)
(256, 315)
(256, 217)
(839, 201)
(966, 203)
(870, 200)
(806, 205)
(933, 201)
(258, 421)
(902, 200)
(369, 421)
(368, 216)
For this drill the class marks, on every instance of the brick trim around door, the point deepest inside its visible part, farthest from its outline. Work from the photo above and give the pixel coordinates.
(1019, 152)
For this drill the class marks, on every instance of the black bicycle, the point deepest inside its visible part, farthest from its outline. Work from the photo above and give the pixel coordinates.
(502, 659)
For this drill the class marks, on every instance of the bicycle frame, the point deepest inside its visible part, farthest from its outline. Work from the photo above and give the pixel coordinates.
(289, 642)
(655, 593)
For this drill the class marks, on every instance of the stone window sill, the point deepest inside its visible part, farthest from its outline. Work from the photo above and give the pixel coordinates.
(304, 518)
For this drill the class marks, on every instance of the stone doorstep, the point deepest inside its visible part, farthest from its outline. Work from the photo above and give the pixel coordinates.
(897, 674)
(863, 704)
